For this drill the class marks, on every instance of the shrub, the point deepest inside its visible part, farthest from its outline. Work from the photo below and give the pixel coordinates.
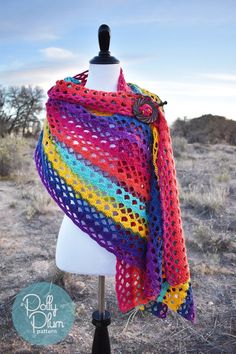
(209, 241)
(206, 200)
(179, 145)
(12, 152)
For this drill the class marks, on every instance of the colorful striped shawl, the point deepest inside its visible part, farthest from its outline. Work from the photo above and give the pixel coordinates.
(113, 174)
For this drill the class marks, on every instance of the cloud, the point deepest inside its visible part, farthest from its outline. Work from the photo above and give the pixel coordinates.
(192, 107)
(219, 76)
(39, 35)
(193, 88)
(43, 74)
(179, 13)
(54, 53)
(12, 30)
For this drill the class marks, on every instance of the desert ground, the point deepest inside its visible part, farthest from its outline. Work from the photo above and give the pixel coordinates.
(29, 225)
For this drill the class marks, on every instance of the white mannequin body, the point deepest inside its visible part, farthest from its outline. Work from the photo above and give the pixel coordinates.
(76, 251)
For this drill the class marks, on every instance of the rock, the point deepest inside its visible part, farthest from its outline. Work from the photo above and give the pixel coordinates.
(232, 226)
(232, 190)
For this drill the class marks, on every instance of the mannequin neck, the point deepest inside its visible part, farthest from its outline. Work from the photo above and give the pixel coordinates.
(103, 77)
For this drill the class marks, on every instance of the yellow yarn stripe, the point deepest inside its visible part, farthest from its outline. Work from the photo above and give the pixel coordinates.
(176, 295)
(106, 204)
(155, 147)
(98, 113)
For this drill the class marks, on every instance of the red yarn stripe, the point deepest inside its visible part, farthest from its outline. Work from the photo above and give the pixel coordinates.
(63, 128)
(176, 264)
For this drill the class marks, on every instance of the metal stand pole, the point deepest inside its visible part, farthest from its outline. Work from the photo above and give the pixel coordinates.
(101, 319)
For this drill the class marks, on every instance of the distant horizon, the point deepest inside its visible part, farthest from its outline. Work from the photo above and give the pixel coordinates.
(42, 114)
(182, 51)
(203, 115)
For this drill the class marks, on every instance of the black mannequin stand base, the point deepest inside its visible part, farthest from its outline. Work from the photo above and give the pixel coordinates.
(101, 342)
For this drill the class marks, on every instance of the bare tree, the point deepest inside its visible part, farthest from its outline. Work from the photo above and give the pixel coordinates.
(4, 118)
(26, 105)
(19, 109)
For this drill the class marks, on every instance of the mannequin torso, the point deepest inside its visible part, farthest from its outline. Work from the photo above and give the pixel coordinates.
(77, 252)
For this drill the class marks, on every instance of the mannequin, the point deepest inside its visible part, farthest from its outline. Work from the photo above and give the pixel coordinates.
(77, 252)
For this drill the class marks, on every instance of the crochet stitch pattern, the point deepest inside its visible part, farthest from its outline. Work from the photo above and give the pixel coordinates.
(114, 176)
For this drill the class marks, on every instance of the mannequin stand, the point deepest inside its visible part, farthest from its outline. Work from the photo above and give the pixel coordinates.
(101, 319)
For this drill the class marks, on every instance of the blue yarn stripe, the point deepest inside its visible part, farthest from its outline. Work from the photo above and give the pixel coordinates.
(91, 177)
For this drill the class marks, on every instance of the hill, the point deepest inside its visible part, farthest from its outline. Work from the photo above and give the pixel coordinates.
(208, 129)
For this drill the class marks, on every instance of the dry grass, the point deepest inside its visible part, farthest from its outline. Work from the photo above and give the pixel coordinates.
(209, 269)
(179, 145)
(224, 176)
(207, 240)
(211, 260)
(206, 200)
(16, 163)
(13, 205)
(12, 154)
(39, 203)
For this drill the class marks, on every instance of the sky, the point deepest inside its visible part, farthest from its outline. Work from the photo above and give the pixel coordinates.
(184, 51)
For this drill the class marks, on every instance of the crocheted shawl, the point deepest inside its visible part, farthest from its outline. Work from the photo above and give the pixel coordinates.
(106, 159)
